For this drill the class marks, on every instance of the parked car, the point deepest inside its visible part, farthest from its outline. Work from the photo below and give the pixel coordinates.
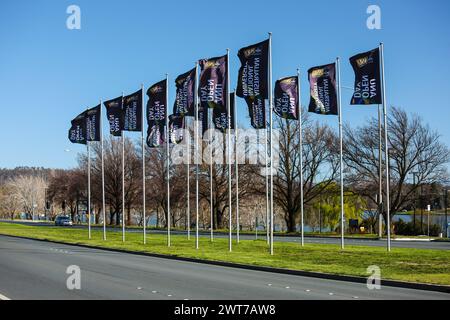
(63, 221)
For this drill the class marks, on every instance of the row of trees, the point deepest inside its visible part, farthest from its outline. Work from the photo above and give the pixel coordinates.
(414, 147)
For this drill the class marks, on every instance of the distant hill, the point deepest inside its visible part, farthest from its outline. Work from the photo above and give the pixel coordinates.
(7, 174)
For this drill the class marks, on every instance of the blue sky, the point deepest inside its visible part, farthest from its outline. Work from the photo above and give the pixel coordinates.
(49, 74)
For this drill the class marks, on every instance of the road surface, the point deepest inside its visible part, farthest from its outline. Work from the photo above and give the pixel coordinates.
(321, 240)
(31, 269)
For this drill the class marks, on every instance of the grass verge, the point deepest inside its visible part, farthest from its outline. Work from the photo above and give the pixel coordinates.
(411, 265)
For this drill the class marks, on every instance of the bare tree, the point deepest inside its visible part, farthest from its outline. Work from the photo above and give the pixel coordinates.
(30, 192)
(413, 147)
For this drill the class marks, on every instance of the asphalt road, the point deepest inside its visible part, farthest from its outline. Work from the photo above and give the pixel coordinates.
(31, 269)
(322, 240)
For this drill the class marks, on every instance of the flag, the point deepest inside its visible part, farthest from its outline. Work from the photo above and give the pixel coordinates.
(220, 116)
(184, 99)
(286, 98)
(132, 112)
(176, 127)
(257, 112)
(203, 118)
(253, 73)
(156, 105)
(367, 78)
(322, 84)
(115, 116)
(77, 132)
(93, 123)
(213, 82)
(155, 134)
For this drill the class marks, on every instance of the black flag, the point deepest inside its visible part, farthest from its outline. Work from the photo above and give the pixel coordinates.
(286, 98)
(176, 127)
(156, 105)
(184, 100)
(203, 118)
(77, 132)
(322, 87)
(213, 82)
(220, 116)
(155, 134)
(257, 112)
(156, 113)
(252, 80)
(93, 124)
(115, 116)
(367, 78)
(132, 112)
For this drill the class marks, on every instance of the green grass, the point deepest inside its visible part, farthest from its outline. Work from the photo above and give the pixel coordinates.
(413, 265)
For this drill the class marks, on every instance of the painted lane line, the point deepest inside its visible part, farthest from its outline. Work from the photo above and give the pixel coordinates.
(2, 297)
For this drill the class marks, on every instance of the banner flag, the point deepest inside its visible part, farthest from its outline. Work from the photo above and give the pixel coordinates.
(184, 99)
(367, 78)
(213, 82)
(257, 112)
(155, 134)
(176, 127)
(322, 87)
(156, 105)
(93, 123)
(253, 73)
(220, 116)
(203, 119)
(286, 104)
(77, 132)
(115, 116)
(132, 112)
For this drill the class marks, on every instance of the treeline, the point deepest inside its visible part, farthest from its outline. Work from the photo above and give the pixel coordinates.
(414, 147)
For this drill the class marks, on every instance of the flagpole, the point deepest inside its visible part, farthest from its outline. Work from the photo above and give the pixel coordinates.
(229, 151)
(238, 225)
(188, 209)
(123, 182)
(196, 142)
(271, 144)
(211, 176)
(266, 157)
(103, 172)
(301, 159)
(143, 170)
(89, 188)
(338, 70)
(386, 152)
(168, 160)
(380, 182)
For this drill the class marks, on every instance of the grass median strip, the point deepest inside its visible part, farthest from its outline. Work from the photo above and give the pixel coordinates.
(412, 265)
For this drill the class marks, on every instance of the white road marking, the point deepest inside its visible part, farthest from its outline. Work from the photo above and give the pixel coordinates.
(2, 297)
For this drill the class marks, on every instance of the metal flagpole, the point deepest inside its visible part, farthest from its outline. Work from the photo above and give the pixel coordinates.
(196, 156)
(301, 158)
(266, 157)
(143, 171)
(89, 188)
(103, 173)
(123, 182)
(168, 159)
(211, 176)
(229, 152)
(188, 173)
(338, 71)
(271, 144)
(386, 152)
(238, 225)
(380, 182)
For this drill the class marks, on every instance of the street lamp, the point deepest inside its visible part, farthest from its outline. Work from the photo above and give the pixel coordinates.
(415, 196)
